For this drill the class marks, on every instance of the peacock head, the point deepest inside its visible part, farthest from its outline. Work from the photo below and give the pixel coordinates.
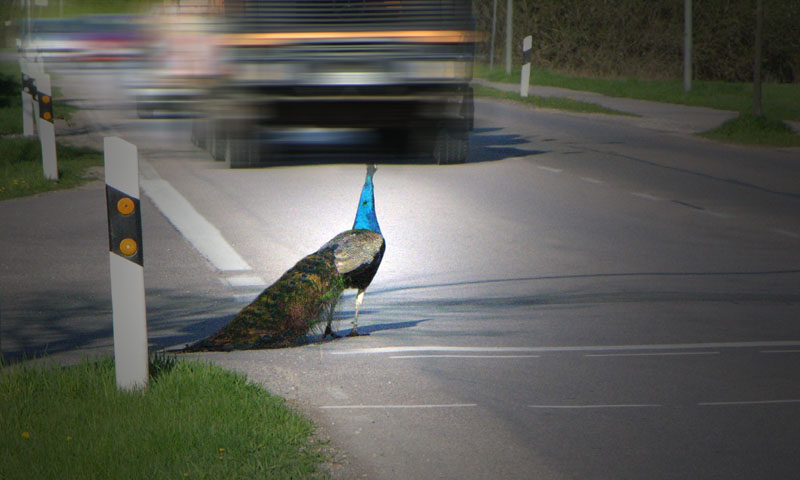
(365, 216)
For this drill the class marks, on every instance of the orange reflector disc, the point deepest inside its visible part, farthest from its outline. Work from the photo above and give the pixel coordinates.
(128, 247)
(125, 206)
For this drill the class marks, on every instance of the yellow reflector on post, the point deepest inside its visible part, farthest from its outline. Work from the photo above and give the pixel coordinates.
(125, 206)
(128, 247)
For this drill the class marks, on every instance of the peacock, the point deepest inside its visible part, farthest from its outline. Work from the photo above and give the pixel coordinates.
(306, 295)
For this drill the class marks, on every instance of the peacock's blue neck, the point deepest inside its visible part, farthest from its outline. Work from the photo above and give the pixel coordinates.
(365, 216)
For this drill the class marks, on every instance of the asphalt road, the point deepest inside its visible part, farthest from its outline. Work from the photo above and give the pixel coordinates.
(585, 298)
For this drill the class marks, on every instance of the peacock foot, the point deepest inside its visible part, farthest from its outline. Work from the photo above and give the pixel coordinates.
(329, 332)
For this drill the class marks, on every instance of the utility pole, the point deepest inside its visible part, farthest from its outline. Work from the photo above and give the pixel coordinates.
(509, 9)
(757, 111)
(494, 28)
(687, 45)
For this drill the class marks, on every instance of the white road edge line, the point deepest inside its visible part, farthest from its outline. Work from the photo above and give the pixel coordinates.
(780, 351)
(244, 281)
(400, 357)
(203, 236)
(749, 403)
(586, 407)
(576, 348)
(378, 407)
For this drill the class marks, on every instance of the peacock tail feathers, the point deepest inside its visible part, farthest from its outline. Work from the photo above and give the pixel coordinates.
(286, 311)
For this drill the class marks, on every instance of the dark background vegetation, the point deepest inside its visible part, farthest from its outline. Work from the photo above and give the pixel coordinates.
(644, 38)
(603, 38)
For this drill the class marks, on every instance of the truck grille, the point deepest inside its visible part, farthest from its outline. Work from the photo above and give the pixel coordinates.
(347, 15)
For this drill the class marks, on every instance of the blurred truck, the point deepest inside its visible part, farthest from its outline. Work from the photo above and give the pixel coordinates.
(399, 69)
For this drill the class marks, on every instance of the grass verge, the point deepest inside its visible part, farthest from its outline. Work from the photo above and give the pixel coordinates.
(546, 102)
(752, 130)
(193, 421)
(781, 101)
(11, 100)
(21, 172)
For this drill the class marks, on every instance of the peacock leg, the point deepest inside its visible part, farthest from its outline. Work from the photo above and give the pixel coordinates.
(354, 331)
(328, 329)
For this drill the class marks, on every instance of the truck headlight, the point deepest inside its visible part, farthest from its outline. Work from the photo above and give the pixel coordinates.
(438, 70)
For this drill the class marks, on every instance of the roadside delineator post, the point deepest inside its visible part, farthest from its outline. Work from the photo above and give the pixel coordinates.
(28, 94)
(126, 261)
(525, 78)
(45, 125)
(37, 103)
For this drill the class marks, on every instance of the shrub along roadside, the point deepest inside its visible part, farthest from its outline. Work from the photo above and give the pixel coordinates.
(747, 129)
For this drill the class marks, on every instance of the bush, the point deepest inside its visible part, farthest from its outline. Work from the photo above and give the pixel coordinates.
(644, 38)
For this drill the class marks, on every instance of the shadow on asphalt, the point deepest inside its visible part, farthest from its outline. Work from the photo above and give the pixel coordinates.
(486, 145)
(65, 321)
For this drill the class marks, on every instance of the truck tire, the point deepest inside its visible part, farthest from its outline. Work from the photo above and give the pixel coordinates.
(218, 141)
(200, 133)
(451, 146)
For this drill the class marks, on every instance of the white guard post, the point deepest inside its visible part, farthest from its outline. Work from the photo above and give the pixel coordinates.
(27, 98)
(47, 129)
(126, 261)
(525, 79)
(44, 120)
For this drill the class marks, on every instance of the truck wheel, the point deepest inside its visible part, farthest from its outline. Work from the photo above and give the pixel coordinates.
(218, 141)
(200, 133)
(242, 147)
(144, 110)
(451, 146)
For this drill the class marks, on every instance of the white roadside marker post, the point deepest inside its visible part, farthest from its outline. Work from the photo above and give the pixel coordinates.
(126, 262)
(45, 125)
(525, 79)
(28, 93)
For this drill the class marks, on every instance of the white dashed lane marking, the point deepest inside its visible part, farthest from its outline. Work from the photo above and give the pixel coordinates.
(592, 180)
(549, 169)
(647, 196)
(586, 407)
(650, 354)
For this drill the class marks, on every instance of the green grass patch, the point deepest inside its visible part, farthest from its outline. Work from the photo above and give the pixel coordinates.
(21, 172)
(780, 101)
(194, 421)
(557, 103)
(11, 100)
(72, 8)
(752, 130)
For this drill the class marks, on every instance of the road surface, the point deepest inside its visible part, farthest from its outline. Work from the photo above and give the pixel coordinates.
(585, 298)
